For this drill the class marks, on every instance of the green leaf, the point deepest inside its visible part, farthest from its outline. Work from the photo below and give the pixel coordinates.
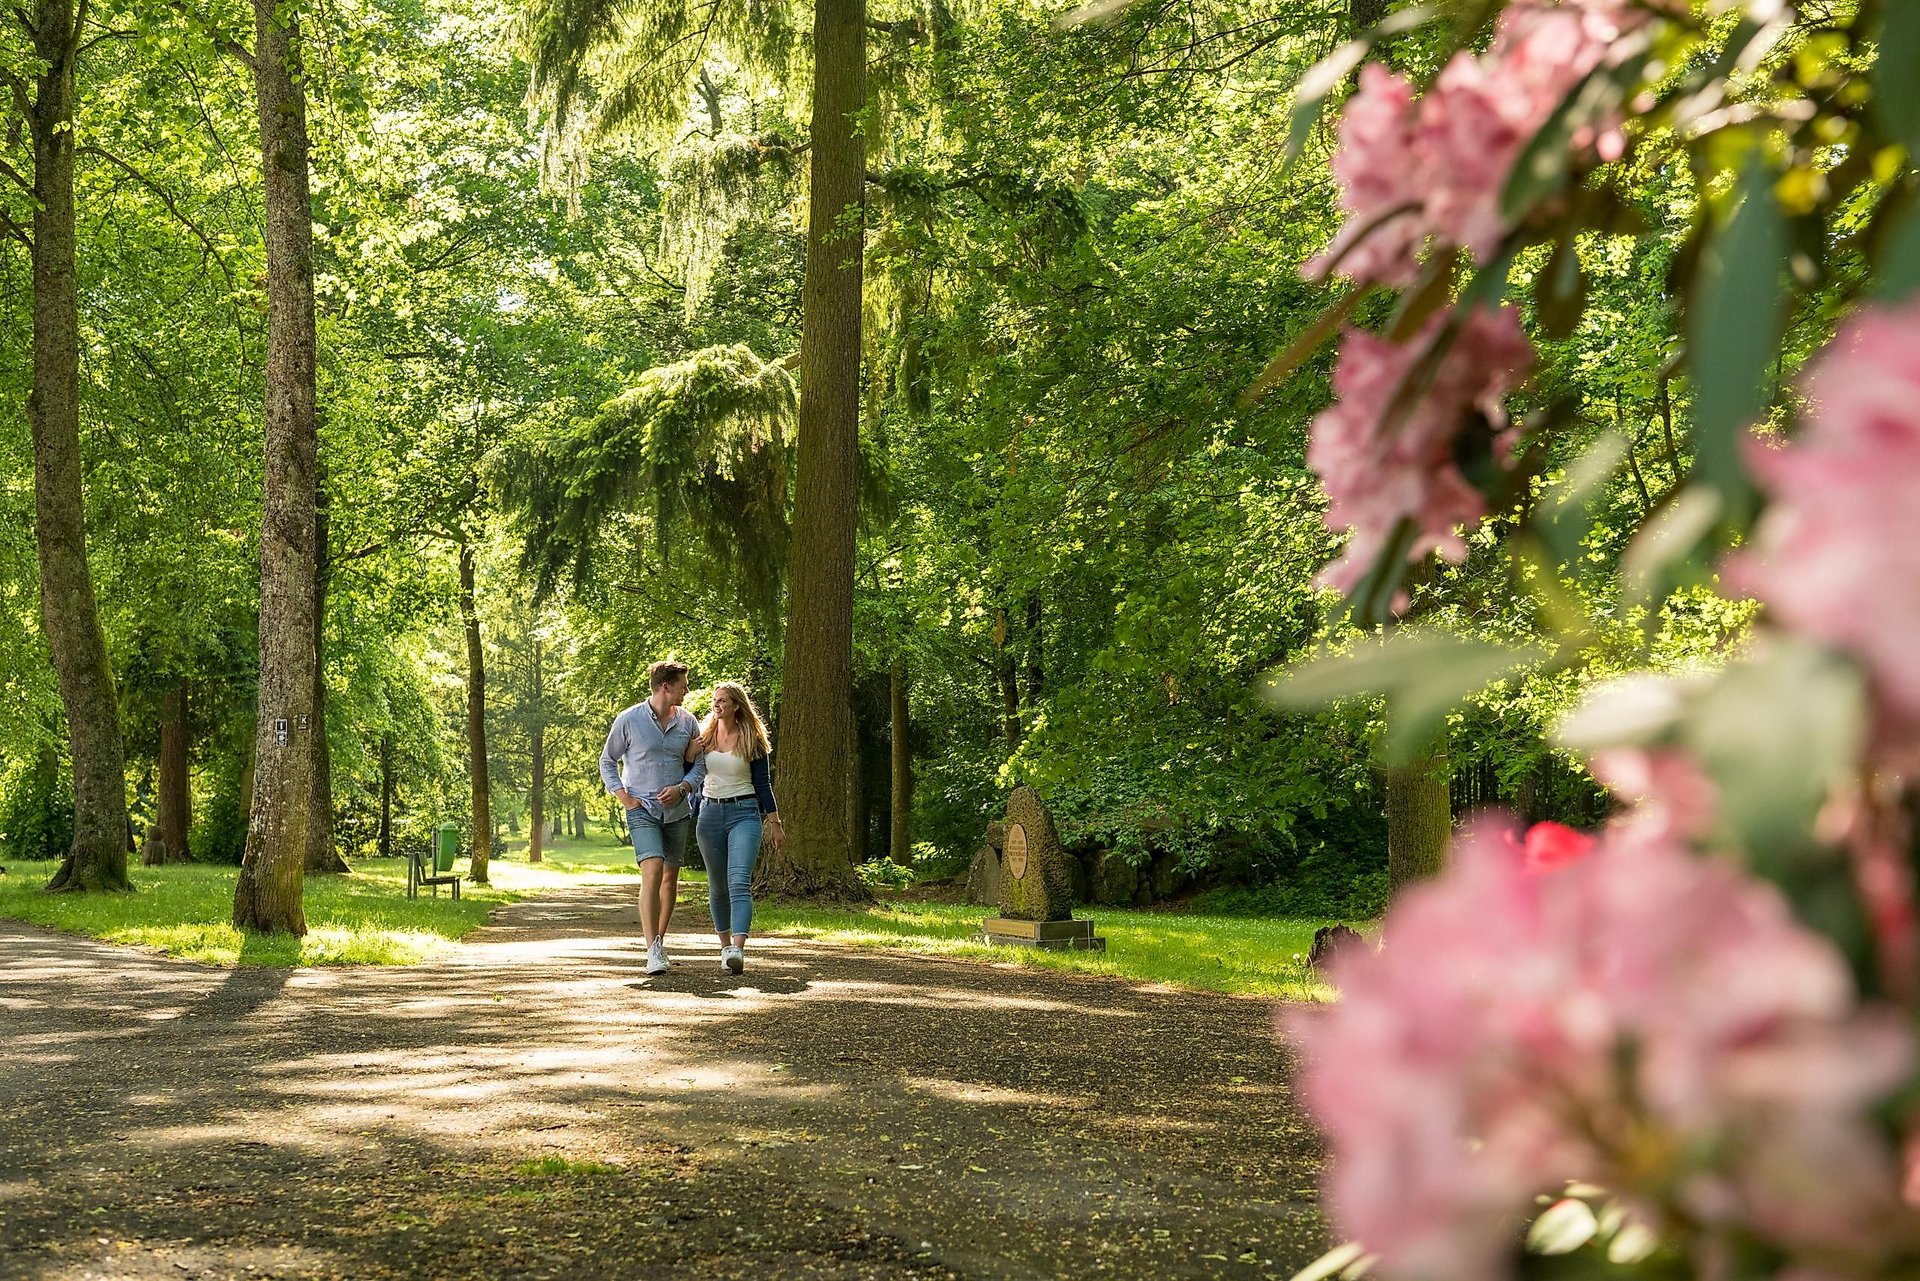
(1734, 327)
(1775, 732)
(1896, 247)
(1424, 675)
(1564, 1227)
(1896, 74)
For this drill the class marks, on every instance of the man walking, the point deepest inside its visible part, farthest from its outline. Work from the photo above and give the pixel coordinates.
(644, 765)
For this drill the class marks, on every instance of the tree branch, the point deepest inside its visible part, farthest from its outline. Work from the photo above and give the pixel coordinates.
(22, 98)
(8, 171)
(206, 242)
(11, 228)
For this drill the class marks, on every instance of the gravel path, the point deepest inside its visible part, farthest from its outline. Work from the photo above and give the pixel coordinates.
(534, 1106)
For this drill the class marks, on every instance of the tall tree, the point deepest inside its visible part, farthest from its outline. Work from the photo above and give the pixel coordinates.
(175, 816)
(323, 855)
(267, 895)
(900, 838)
(537, 734)
(817, 677)
(1419, 815)
(69, 612)
(476, 721)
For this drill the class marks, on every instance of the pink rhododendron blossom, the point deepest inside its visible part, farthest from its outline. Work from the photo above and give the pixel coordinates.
(1437, 167)
(1376, 474)
(1837, 554)
(1644, 1018)
(1674, 798)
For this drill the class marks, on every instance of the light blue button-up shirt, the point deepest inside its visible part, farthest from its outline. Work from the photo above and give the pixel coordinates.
(643, 757)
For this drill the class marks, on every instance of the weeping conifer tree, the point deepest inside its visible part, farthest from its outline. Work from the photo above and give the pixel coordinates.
(704, 440)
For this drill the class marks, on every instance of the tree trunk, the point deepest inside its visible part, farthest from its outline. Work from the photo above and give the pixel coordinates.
(859, 799)
(900, 838)
(386, 795)
(579, 821)
(559, 817)
(266, 896)
(322, 854)
(1419, 817)
(175, 816)
(476, 723)
(1036, 673)
(1009, 682)
(69, 613)
(536, 798)
(816, 691)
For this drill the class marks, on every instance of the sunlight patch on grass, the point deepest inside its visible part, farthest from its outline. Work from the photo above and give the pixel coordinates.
(1237, 955)
(363, 918)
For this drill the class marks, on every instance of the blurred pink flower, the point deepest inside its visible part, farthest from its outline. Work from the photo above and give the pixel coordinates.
(1375, 475)
(1437, 167)
(1643, 1018)
(1674, 798)
(1837, 554)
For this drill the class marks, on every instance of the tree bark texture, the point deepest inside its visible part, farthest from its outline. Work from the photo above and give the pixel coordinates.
(1419, 817)
(900, 837)
(536, 797)
(476, 723)
(817, 684)
(69, 612)
(1007, 671)
(267, 895)
(323, 855)
(175, 817)
(386, 795)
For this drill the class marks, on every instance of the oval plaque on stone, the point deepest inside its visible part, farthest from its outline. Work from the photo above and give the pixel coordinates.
(1016, 859)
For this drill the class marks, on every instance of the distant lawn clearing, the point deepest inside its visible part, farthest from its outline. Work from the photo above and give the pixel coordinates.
(363, 918)
(1234, 954)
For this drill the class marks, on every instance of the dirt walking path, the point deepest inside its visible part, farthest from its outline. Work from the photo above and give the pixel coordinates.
(536, 1107)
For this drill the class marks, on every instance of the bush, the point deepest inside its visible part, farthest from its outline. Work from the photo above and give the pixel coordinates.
(885, 874)
(36, 810)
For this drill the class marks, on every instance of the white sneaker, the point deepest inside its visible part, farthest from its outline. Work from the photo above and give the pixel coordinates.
(657, 958)
(733, 959)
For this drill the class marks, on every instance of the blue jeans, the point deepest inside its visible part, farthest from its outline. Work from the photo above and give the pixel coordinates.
(729, 836)
(653, 839)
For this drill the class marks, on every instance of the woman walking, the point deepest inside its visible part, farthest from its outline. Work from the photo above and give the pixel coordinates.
(737, 803)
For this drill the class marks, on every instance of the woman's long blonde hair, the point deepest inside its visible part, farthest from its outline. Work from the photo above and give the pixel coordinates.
(749, 731)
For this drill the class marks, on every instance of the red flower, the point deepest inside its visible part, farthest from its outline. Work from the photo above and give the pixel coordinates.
(1552, 846)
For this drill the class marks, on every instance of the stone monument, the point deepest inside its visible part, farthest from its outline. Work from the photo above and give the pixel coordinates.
(1036, 883)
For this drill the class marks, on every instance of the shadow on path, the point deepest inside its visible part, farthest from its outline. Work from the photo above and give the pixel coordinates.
(534, 1105)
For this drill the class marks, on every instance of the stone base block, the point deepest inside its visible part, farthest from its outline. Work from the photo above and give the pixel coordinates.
(1052, 935)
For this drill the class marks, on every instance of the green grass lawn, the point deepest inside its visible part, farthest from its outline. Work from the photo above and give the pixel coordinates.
(1240, 955)
(365, 918)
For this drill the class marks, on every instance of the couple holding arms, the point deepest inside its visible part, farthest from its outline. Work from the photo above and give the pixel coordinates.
(657, 757)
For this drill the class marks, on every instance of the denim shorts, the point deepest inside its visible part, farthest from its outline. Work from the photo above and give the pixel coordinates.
(653, 839)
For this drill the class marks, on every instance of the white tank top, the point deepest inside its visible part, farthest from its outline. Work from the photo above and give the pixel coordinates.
(729, 777)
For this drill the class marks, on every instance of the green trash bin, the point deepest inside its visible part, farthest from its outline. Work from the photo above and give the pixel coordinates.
(446, 846)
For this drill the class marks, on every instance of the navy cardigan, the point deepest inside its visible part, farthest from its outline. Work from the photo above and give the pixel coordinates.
(761, 773)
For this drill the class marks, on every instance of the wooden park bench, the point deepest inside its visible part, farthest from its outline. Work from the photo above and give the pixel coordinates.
(421, 871)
